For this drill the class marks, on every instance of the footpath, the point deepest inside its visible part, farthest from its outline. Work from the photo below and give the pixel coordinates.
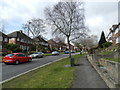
(86, 76)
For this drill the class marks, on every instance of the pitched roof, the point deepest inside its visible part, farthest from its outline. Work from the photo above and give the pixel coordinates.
(2, 34)
(40, 38)
(18, 34)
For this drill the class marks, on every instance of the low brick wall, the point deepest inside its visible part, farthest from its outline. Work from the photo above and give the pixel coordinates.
(109, 71)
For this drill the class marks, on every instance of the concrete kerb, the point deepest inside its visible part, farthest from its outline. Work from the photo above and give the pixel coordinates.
(31, 70)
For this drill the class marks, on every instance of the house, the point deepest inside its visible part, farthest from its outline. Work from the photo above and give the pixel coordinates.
(62, 46)
(18, 37)
(71, 47)
(114, 34)
(42, 42)
(53, 45)
(3, 40)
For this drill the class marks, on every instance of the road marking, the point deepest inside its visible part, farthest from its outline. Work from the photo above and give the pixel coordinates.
(31, 70)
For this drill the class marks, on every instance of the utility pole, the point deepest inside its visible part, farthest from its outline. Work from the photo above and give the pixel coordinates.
(28, 36)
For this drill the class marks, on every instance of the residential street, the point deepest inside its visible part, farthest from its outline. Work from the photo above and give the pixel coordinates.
(86, 76)
(9, 71)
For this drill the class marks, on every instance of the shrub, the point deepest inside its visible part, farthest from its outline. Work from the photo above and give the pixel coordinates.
(4, 53)
(107, 44)
(102, 40)
(17, 50)
(13, 47)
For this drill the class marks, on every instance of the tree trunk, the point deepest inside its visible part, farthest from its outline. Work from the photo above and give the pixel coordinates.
(69, 47)
(70, 57)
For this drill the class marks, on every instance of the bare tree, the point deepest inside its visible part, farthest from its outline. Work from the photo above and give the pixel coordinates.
(36, 28)
(88, 42)
(2, 28)
(92, 41)
(67, 18)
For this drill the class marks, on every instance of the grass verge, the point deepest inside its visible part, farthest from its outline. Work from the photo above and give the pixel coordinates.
(113, 59)
(50, 54)
(106, 52)
(47, 54)
(1, 59)
(54, 75)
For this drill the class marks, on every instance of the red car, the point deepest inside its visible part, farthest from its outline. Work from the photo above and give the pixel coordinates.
(16, 58)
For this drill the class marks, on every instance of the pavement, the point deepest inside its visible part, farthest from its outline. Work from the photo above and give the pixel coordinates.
(86, 76)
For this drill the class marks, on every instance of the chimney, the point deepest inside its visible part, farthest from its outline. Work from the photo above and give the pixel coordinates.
(20, 31)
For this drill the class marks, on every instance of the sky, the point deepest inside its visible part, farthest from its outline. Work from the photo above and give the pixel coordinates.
(100, 15)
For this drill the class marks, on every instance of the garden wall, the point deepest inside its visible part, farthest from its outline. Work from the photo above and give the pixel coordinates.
(108, 70)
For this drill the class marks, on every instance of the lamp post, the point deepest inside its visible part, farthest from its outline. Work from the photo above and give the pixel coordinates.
(28, 36)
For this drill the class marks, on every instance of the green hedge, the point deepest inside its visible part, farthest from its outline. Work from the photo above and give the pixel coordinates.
(107, 44)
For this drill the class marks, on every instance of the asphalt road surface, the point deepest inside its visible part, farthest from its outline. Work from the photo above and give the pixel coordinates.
(9, 71)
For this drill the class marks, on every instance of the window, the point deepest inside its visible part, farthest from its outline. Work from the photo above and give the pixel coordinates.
(18, 39)
(22, 40)
(1, 38)
(20, 55)
(5, 39)
(10, 55)
(0, 46)
(12, 38)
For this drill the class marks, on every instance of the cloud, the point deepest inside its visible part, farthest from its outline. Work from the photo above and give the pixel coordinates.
(94, 21)
(99, 15)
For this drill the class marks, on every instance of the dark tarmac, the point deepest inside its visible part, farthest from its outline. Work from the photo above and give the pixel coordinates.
(86, 76)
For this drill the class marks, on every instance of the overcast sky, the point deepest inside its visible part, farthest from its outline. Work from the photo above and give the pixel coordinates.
(100, 15)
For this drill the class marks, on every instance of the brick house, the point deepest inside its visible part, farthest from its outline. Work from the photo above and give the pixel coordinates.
(21, 39)
(53, 45)
(3, 40)
(71, 46)
(61, 46)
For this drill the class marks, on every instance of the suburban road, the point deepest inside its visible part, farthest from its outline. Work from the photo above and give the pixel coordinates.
(9, 71)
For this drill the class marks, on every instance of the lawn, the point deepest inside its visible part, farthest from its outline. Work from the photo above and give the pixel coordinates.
(113, 59)
(106, 52)
(55, 75)
(49, 54)
(1, 59)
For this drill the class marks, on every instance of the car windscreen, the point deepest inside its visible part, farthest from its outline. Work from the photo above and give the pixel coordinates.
(37, 53)
(20, 55)
(10, 55)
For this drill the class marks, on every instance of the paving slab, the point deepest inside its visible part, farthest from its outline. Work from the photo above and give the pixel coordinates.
(86, 76)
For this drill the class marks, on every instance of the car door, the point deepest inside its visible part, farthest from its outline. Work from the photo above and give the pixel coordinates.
(24, 58)
(19, 57)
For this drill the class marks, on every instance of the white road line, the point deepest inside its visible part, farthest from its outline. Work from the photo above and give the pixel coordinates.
(31, 70)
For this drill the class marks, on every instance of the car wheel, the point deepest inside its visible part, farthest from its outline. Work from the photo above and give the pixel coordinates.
(6, 63)
(42, 56)
(29, 60)
(16, 62)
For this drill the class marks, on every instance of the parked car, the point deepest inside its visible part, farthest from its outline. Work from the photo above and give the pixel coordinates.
(72, 51)
(16, 58)
(37, 55)
(55, 53)
(66, 52)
